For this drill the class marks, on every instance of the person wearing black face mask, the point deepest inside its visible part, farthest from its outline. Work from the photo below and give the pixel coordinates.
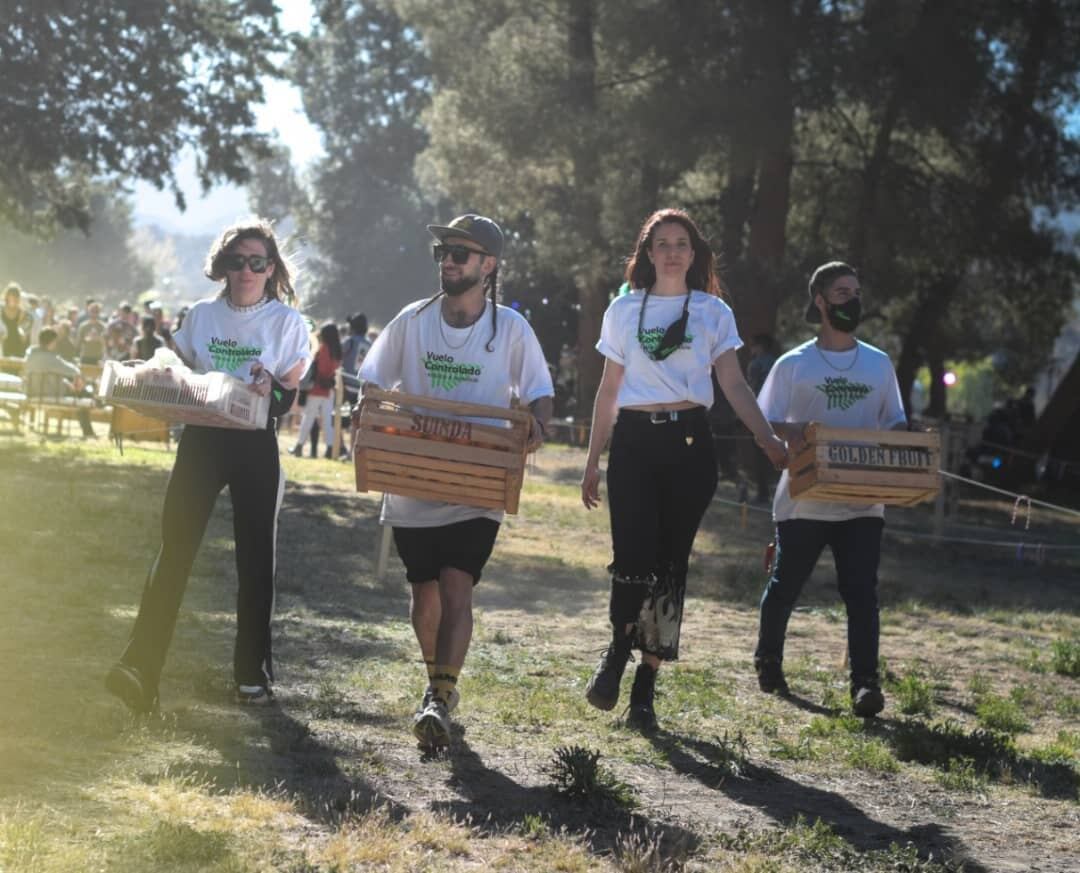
(838, 381)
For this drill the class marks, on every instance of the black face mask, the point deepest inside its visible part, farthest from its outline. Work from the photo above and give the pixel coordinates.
(844, 316)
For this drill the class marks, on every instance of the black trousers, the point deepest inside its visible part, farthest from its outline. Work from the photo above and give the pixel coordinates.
(208, 459)
(856, 548)
(661, 478)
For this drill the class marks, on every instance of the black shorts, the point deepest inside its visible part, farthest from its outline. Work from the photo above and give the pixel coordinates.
(463, 545)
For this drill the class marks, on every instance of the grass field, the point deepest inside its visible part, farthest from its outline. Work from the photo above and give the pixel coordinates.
(975, 764)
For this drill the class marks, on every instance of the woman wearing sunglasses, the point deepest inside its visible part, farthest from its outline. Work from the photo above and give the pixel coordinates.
(249, 331)
(660, 342)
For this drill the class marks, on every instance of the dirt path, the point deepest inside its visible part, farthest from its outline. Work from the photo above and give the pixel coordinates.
(494, 774)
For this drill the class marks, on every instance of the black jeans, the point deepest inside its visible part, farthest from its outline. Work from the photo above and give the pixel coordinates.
(856, 548)
(208, 459)
(660, 478)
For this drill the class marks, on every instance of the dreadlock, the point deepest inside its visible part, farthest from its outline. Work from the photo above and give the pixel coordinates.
(492, 282)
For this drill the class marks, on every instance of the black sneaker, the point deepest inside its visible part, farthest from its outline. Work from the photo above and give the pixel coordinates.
(867, 700)
(127, 683)
(641, 715)
(603, 688)
(770, 677)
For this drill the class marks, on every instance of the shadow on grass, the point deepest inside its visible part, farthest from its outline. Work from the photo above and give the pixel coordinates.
(994, 755)
(494, 802)
(786, 801)
(277, 752)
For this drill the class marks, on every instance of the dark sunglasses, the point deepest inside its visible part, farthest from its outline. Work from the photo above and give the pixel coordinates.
(674, 335)
(458, 254)
(235, 262)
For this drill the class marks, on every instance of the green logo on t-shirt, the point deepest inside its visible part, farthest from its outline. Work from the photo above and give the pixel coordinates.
(841, 393)
(446, 373)
(650, 339)
(228, 354)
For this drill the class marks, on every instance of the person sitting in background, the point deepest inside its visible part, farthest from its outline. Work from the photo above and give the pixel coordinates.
(49, 378)
(320, 397)
(148, 341)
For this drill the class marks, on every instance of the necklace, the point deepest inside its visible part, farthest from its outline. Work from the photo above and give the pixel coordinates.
(468, 336)
(821, 352)
(250, 307)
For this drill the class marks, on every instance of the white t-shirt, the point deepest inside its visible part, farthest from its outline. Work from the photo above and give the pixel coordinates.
(419, 353)
(685, 373)
(856, 388)
(214, 336)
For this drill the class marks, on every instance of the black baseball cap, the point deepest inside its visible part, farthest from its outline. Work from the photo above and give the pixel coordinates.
(483, 231)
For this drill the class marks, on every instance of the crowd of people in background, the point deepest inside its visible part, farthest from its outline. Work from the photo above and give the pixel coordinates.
(85, 334)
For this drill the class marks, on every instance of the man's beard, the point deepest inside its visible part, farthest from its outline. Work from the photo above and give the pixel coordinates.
(457, 287)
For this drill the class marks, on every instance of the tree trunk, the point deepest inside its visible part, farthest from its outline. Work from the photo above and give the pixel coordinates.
(938, 404)
(591, 281)
(919, 338)
(758, 302)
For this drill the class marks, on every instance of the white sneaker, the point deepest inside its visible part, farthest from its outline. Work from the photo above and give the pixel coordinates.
(432, 726)
(429, 695)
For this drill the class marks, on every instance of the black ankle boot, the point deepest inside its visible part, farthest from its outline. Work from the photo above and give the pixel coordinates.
(603, 688)
(642, 716)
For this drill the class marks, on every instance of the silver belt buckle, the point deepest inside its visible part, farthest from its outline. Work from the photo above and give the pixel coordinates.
(663, 417)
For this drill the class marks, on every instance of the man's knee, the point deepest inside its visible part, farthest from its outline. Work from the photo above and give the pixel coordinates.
(455, 590)
(425, 599)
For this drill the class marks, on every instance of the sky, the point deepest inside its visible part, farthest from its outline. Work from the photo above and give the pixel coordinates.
(282, 114)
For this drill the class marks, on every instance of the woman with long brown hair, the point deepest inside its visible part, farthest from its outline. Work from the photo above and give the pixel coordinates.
(660, 343)
(250, 331)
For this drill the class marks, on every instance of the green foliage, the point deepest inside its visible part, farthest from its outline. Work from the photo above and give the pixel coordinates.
(816, 846)
(937, 744)
(1002, 714)
(104, 262)
(960, 775)
(914, 695)
(363, 76)
(576, 772)
(118, 90)
(1065, 657)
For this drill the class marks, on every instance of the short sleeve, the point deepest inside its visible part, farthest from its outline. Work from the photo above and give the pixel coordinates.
(183, 337)
(892, 407)
(534, 379)
(295, 344)
(382, 364)
(612, 342)
(774, 399)
(727, 334)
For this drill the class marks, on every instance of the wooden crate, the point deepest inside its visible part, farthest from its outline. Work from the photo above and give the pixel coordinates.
(866, 466)
(212, 399)
(401, 447)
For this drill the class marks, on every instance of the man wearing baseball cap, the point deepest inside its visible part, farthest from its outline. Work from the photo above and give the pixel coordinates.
(459, 344)
(838, 381)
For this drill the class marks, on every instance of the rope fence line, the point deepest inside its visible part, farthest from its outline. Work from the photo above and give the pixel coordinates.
(1019, 498)
(1020, 547)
